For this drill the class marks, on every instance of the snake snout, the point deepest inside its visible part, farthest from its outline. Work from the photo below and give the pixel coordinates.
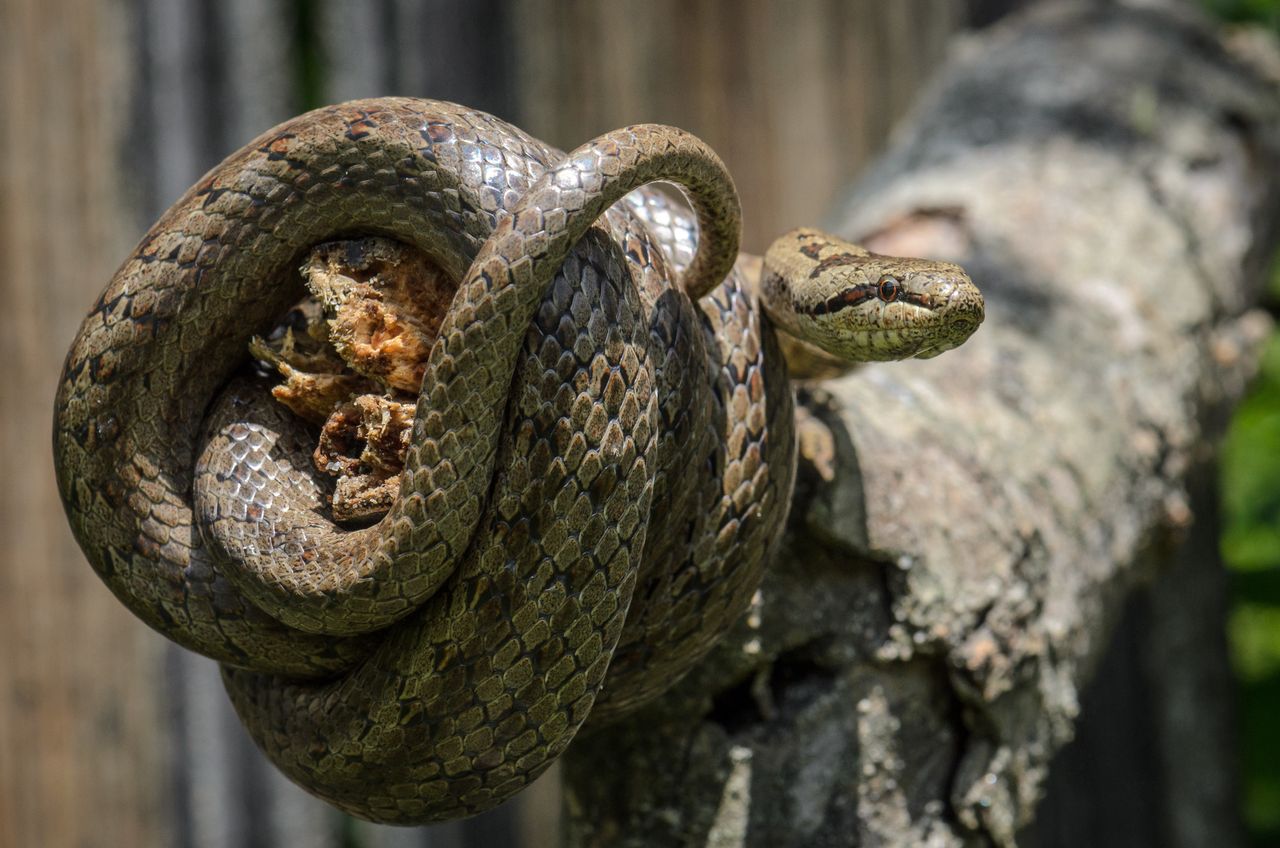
(965, 307)
(957, 307)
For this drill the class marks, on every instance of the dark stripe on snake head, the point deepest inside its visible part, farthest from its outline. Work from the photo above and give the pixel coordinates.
(845, 299)
(860, 294)
(835, 261)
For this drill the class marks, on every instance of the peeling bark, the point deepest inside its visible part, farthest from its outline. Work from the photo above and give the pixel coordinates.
(1108, 175)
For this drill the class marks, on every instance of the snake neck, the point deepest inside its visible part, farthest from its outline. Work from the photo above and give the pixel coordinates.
(805, 360)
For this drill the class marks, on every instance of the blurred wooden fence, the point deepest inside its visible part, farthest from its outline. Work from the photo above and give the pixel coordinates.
(108, 735)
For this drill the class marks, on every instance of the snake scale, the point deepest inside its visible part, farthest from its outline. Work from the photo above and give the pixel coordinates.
(601, 459)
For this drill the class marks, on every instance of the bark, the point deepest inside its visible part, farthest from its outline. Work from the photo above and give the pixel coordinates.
(1154, 758)
(1108, 174)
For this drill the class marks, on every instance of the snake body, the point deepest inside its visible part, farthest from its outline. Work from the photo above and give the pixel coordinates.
(601, 458)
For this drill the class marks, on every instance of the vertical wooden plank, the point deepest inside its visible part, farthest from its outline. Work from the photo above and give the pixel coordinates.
(442, 49)
(794, 96)
(353, 40)
(258, 66)
(80, 759)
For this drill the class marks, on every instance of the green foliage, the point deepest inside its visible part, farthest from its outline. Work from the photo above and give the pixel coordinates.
(1260, 750)
(1251, 547)
(1246, 11)
(1251, 473)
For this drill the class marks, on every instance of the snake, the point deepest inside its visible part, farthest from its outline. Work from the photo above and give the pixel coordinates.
(602, 457)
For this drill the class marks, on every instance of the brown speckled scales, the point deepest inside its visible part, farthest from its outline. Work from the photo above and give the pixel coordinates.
(575, 535)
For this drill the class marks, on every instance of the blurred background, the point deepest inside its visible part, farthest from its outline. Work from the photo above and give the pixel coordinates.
(111, 736)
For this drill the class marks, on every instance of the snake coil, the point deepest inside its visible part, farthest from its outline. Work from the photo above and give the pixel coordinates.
(600, 459)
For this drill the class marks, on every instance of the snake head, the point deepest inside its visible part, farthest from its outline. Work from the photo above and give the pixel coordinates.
(858, 306)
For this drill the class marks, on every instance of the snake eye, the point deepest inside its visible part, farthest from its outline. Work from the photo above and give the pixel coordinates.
(888, 289)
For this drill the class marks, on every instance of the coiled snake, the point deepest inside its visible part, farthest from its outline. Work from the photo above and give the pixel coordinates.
(600, 459)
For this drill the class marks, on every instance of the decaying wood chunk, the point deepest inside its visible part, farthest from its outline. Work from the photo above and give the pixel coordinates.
(384, 302)
(353, 356)
(363, 446)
